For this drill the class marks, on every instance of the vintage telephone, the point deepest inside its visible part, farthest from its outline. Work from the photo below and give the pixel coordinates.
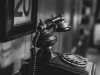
(46, 62)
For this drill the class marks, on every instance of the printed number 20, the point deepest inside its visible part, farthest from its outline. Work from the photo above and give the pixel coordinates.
(26, 12)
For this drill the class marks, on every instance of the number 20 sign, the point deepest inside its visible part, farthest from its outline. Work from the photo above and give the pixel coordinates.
(17, 18)
(22, 11)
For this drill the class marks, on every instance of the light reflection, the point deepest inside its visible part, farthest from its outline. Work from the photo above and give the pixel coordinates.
(12, 52)
(6, 46)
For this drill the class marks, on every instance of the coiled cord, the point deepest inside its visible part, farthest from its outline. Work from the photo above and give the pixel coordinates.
(33, 61)
(33, 55)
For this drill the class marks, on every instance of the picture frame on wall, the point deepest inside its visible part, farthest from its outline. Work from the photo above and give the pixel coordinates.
(18, 18)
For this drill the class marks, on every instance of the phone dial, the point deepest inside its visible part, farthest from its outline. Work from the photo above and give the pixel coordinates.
(46, 62)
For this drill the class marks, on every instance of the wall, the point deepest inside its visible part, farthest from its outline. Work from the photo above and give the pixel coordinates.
(12, 52)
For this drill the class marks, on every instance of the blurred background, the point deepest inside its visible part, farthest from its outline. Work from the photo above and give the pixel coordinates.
(82, 39)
